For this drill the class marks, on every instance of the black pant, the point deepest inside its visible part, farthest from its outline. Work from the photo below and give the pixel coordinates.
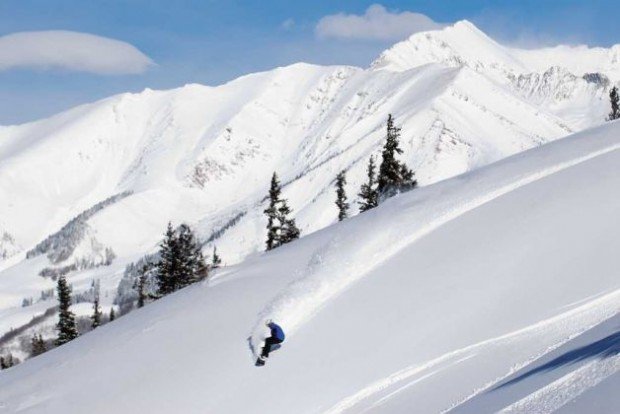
(268, 343)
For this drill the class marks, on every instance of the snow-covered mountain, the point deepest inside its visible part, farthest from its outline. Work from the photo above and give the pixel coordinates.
(89, 191)
(477, 294)
(463, 44)
(566, 81)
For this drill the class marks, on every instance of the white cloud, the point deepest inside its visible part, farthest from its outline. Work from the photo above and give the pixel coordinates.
(288, 24)
(377, 23)
(72, 51)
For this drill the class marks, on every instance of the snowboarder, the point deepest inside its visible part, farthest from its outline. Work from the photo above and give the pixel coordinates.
(272, 342)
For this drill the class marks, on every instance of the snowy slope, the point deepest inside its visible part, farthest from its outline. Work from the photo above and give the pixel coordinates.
(207, 152)
(100, 182)
(574, 378)
(602, 397)
(418, 305)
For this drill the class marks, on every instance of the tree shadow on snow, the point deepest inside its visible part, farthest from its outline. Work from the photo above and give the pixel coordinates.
(603, 348)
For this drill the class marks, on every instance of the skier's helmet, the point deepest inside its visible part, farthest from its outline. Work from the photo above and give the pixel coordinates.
(268, 322)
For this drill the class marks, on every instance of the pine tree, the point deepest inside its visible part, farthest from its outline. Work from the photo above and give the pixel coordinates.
(142, 283)
(288, 228)
(193, 267)
(37, 345)
(141, 286)
(341, 196)
(394, 176)
(272, 213)
(7, 362)
(615, 104)
(368, 193)
(181, 260)
(67, 329)
(217, 260)
(280, 228)
(112, 314)
(96, 316)
(169, 264)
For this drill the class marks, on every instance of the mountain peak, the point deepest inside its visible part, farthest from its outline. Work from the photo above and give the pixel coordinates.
(464, 26)
(460, 44)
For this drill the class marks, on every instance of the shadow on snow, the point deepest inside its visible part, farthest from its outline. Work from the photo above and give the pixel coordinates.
(603, 348)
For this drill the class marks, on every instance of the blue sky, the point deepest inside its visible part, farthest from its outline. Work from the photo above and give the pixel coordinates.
(212, 41)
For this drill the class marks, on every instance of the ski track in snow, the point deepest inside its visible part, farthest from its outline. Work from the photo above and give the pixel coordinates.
(324, 278)
(412, 383)
(560, 392)
(591, 314)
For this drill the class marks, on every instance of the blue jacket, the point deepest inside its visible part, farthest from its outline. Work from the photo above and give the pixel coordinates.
(276, 331)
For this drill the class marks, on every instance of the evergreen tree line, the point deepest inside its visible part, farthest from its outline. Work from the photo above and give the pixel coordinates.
(66, 326)
(37, 345)
(392, 178)
(181, 263)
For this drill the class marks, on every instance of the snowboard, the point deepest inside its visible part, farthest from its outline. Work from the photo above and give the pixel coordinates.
(260, 361)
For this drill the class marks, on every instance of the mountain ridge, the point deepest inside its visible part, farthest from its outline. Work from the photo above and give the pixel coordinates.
(464, 44)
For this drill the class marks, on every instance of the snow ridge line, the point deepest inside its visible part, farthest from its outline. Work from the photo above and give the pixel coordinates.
(560, 392)
(522, 182)
(590, 312)
(325, 278)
